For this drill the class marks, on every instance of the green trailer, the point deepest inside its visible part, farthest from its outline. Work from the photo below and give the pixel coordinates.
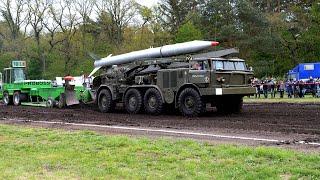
(17, 90)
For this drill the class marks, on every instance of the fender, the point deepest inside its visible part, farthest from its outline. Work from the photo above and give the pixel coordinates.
(143, 87)
(110, 88)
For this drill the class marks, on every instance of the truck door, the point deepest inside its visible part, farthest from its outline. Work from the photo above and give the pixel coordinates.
(199, 72)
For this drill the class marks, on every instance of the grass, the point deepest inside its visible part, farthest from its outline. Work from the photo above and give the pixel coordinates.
(307, 99)
(30, 153)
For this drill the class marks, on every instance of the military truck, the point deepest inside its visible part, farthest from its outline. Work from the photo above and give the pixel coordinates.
(185, 82)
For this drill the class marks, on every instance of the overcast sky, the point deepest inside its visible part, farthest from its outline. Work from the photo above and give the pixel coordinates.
(148, 3)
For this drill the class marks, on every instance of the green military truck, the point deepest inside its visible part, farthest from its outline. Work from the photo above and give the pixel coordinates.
(17, 90)
(187, 82)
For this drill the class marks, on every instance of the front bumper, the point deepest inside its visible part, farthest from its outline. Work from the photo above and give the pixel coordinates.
(228, 91)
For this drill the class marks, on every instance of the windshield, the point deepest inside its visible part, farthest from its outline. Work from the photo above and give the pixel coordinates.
(19, 75)
(229, 65)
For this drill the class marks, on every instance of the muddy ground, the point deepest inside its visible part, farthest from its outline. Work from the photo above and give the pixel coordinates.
(291, 122)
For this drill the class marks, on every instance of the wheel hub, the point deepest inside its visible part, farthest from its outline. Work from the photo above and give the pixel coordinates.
(132, 102)
(189, 102)
(16, 99)
(152, 102)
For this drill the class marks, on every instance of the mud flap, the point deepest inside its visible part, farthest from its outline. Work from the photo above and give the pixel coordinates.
(71, 98)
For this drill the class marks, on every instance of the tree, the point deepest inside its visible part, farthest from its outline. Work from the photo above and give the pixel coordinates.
(175, 12)
(37, 9)
(121, 12)
(12, 12)
(188, 32)
(67, 20)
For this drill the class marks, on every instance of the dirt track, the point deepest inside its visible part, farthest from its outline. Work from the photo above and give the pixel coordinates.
(293, 121)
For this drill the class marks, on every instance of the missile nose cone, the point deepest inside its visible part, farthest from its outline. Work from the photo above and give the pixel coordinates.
(214, 43)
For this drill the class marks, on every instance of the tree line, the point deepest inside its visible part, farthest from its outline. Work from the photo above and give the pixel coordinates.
(56, 37)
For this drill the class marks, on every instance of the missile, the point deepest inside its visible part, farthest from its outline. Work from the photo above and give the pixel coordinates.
(164, 51)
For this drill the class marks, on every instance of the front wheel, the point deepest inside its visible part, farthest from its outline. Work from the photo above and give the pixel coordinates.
(105, 101)
(16, 99)
(133, 101)
(6, 99)
(190, 103)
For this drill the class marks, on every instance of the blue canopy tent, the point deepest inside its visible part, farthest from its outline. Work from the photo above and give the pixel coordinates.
(304, 71)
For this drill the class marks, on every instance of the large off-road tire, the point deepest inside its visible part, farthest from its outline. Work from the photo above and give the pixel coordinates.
(62, 101)
(133, 101)
(237, 104)
(190, 103)
(16, 99)
(7, 100)
(105, 102)
(153, 103)
(230, 105)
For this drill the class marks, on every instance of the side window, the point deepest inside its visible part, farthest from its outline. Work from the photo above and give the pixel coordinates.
(199, 65)
(217, 65)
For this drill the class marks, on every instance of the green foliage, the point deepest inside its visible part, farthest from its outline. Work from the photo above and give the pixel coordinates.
(272, 36)
(51, 154)
(188, 32)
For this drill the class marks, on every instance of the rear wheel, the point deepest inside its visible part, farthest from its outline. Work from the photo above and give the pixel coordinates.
(7, 100)
(190, 103)
(153, 103)
(16, 98)
(105, 102)
(133, 101)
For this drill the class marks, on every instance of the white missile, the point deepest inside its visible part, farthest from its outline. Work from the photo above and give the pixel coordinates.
(164, 51)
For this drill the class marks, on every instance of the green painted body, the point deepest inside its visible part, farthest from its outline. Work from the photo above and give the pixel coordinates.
(36, 90)
(172, 76)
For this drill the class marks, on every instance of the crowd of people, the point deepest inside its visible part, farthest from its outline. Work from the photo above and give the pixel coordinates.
(293, 88)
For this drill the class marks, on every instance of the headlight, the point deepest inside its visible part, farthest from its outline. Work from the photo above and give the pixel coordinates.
(221, 79)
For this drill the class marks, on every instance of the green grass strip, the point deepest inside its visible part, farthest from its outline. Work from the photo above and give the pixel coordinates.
(37, 153)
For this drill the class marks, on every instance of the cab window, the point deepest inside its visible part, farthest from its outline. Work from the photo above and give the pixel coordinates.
(228, 65)
(19, 75)
(240, 66)
(199, 65)
(217, 65)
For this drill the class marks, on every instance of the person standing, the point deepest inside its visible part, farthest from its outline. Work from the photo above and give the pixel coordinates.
(281, 87)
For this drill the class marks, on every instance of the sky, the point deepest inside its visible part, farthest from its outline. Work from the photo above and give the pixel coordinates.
(148, 3)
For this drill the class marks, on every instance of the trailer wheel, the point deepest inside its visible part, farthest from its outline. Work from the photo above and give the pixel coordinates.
(62, 101)
(50, 103)
(105, 102)
(16, 98)
(133, 101)
(153, 103)
(190, 103)
(6, 99)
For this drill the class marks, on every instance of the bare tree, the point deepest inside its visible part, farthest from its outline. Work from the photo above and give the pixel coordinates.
(85, 9)
(67, 21)
(37, 10)
(12, 12)
(121, 13)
